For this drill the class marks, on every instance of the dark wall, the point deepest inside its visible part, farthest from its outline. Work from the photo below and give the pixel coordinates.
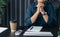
(17, 10)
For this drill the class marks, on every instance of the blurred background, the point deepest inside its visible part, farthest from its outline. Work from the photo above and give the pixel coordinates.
(15, 10)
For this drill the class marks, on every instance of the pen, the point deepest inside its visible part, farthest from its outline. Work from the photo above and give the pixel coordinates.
(31, 28)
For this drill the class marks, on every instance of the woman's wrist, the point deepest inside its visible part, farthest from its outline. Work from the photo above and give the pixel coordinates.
(44, 13)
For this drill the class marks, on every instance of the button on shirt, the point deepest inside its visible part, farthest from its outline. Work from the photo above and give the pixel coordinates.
(40, 21)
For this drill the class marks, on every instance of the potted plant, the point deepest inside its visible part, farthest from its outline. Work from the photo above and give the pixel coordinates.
(2, 8)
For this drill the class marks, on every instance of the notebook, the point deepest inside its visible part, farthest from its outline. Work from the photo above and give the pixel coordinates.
(35, 28)
(2, 29)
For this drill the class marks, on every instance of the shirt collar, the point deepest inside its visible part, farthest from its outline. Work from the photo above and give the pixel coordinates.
(36, 4)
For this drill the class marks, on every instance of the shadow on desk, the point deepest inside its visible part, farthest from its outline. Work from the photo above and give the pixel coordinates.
(53, 30)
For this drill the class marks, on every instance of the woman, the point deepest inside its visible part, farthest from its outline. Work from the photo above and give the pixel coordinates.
(40, 13)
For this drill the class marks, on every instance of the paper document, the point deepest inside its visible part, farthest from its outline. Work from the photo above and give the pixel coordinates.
(36, 31)
(35, 28)
(38, 34)
(2, 29)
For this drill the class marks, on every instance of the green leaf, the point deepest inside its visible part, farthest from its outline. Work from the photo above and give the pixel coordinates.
(2, 5)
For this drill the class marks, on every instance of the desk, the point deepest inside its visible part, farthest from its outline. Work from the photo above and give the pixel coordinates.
(9, 34)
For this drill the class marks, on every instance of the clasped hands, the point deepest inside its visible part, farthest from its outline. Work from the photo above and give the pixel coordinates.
(40, 8)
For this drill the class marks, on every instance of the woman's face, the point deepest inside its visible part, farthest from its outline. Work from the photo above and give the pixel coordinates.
(41, 1)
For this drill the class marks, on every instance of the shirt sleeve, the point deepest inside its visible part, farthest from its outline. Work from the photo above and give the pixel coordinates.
(51, 16)
(27, 20)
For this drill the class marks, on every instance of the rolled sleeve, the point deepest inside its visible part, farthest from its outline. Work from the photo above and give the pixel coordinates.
(52, 16)
(27, 20)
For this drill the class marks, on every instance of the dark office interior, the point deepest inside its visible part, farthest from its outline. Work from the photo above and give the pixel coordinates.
(15, 10)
